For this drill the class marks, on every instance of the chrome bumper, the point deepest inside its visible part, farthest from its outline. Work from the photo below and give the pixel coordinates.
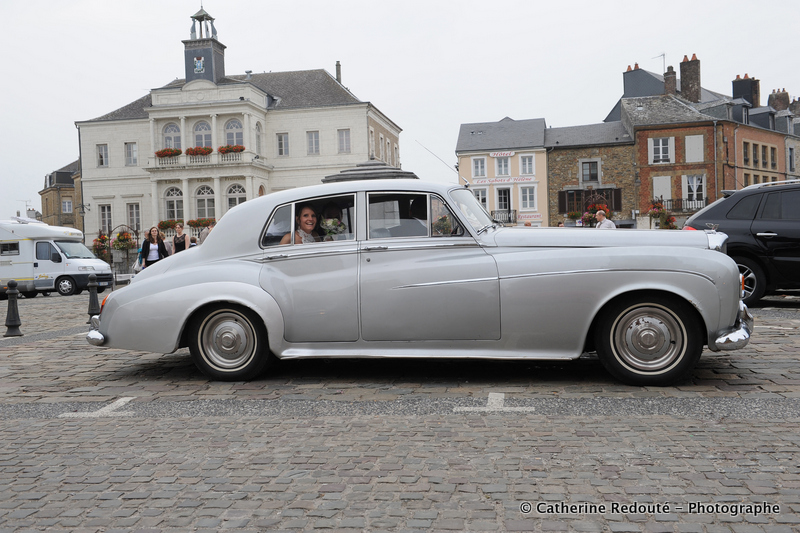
(94, 337)
(740, 335)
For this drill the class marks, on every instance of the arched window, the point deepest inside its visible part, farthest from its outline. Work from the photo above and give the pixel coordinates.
(261, 190)
(258, 138)
(174, 201)
(205, 202)
(202, 134)
(234, 134)
(236, 195)
(172, 136)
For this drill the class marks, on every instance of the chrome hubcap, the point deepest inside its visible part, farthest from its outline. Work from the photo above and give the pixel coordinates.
(749, 280)
(228, 340)
(648, 338)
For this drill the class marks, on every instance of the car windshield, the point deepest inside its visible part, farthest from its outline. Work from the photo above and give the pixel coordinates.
(471, 208)
(75, 250)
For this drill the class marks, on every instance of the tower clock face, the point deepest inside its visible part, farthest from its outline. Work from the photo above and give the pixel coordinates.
(199, 65)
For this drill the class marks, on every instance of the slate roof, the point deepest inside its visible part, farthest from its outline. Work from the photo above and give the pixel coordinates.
(506, 134)
(640, 82)
(295, 89)
(73, 167)
(604, 133)
(658, 110)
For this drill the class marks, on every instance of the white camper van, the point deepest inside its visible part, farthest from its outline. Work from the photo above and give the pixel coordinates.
(45, 258)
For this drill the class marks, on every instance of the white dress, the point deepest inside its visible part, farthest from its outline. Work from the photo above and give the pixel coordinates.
(305, 238)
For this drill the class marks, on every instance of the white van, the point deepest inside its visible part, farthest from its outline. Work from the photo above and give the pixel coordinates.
(44, 258)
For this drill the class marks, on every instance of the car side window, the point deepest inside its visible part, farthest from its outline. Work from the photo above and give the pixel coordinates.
(398, 215)
(772, 207)
(335, 221)
(444, 223)
(745, 209)
(280, 225)
(790, 205)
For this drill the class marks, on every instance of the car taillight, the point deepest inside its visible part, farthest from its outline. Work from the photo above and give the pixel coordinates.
(102, 305)
(689, 227)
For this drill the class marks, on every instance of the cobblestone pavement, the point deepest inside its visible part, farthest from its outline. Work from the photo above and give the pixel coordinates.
(109, 440)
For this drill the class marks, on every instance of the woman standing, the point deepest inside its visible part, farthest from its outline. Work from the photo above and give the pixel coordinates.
(153, 249)
(179, 243)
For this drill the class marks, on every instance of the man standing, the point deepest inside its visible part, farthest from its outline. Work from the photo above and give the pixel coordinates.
(205, 232)
(603, 222)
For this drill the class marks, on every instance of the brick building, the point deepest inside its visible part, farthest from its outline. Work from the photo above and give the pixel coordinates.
(61, 200)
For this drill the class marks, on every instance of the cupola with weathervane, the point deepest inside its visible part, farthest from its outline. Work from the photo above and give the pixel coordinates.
(204, 55)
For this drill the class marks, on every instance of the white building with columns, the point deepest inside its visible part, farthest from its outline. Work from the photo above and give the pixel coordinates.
(295, 127)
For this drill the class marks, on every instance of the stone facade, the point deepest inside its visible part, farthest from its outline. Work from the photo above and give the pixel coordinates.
(615, 168)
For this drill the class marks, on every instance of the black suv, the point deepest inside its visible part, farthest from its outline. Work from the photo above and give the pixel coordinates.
(763, 225)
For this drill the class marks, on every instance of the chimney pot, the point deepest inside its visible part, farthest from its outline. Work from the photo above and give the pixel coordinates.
(685, 58)
(629, 69)
(694, 57)
(339, 72)
(746, 76)
(636, 66)
(738, 77)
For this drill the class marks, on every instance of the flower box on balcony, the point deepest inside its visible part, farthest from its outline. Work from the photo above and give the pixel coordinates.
(230, 149)
(200, 222)
(169, 152)
(199, 150)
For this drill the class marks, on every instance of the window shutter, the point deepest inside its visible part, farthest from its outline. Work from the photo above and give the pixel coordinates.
(650, 151)
(672, 149)
(562, 201)
(684, 187)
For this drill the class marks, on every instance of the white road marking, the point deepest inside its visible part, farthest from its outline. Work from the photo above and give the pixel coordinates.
(495, 404)
(109, 410)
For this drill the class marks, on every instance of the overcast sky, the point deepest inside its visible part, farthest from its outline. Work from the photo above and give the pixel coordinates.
(429, 65)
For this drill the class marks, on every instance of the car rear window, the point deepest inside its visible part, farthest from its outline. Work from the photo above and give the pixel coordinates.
(745, 209)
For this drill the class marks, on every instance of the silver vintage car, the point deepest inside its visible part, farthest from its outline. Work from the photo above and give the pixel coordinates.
(407, 268)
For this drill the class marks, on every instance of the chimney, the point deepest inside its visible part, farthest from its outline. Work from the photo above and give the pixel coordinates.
(794, 108)
(747, 88)
(690, 78)
(670, 81)
(339, 72)
(778, 100)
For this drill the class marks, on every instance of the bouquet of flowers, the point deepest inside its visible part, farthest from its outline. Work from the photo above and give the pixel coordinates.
(333, 226)
(123, 241)
(442, 225)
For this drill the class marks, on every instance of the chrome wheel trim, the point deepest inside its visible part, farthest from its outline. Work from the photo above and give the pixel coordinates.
(65, 286)
(227, 340)
(750, 280)
(648, 338)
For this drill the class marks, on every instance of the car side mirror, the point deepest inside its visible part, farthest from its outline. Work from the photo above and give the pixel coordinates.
(55, 257)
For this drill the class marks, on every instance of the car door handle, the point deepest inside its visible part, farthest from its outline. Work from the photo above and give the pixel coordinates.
(375, 248)
(767, 235)
(279, 256)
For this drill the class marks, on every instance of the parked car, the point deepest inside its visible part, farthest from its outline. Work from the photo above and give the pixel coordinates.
(417, 270)
(763, 226)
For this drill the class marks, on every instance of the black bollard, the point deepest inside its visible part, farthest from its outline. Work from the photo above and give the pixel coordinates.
(94, 305)
(12, 318)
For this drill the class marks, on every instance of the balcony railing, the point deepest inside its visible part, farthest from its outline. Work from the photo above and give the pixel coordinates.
(681, 205)
(505, 216)
(199, 159)
(168, 161)
(230, 157)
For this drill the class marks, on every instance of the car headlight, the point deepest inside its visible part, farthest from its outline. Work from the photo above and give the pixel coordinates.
(86, 268)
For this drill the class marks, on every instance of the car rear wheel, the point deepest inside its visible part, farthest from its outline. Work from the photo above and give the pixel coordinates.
(649, 340)
(65, 286)
(755, 283)
(229, 343)
(30, 294)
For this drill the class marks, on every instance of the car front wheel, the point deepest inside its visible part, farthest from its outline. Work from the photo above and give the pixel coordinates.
(229, 343)
(65, 286)
(649, 340)
(754, 280)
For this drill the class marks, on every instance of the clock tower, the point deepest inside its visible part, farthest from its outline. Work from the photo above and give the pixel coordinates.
(204, 55)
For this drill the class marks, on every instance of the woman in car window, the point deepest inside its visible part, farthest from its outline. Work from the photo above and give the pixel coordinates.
(306, 224)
